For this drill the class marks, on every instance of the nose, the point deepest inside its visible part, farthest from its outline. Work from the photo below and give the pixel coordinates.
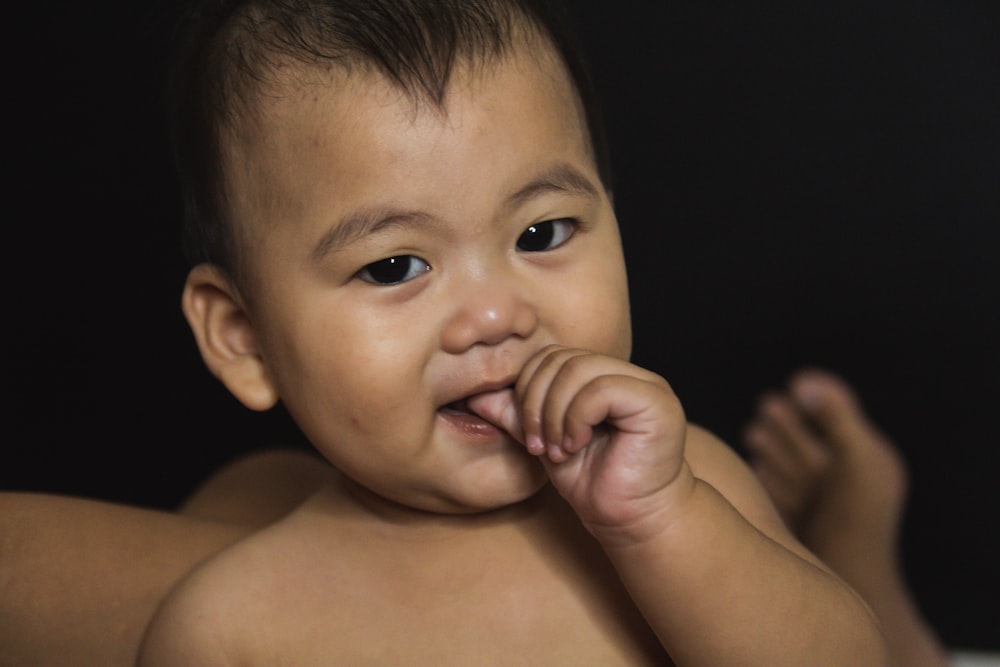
(488, 312)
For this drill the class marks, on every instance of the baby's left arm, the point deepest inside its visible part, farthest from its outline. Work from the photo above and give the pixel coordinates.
(692, 535)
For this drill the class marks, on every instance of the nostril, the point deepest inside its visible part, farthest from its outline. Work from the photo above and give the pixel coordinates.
(490, 319)
(488, 306)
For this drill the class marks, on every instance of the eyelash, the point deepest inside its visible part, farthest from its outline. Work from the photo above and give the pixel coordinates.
(544, 230)
(383, 271)
(404, 268)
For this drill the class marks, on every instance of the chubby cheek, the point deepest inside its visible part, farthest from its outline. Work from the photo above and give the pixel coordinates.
(598, 317)
(356, 413)
(337, 368)
(362, 388)
(344, 377)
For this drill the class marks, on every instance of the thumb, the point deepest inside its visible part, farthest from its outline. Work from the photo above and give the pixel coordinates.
(498, 408)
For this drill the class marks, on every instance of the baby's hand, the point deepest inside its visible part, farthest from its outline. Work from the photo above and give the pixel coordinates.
(610, 434)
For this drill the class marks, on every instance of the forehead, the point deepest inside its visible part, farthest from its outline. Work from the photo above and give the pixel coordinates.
(335, 139)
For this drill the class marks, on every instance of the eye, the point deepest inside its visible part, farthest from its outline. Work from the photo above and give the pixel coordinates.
(394, 270)
(546, 235)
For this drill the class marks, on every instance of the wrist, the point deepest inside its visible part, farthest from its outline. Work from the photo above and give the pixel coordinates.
(649, 518)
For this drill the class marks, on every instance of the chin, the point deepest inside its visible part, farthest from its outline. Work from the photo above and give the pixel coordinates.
(508, 500)
(489, 495)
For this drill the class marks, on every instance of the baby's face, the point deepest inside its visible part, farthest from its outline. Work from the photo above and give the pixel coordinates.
(404, 259)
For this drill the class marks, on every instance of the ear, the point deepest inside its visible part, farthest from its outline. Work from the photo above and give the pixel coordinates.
(226, 337)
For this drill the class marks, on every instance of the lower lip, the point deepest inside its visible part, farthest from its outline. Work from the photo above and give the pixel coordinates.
(471, 426)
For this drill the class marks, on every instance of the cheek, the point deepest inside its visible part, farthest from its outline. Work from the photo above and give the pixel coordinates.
(597, 317)
(351, 375)
(614, 338)
(355, 409)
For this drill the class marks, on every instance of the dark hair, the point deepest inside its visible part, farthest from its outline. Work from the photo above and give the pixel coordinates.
(227, 49)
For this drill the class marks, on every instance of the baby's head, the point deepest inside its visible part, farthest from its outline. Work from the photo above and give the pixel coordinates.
(232, 56)
(396, 203)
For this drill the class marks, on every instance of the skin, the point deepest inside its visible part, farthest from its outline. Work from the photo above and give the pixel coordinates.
(471, 322)
(554, 504)
(841, 484)
(80, 578)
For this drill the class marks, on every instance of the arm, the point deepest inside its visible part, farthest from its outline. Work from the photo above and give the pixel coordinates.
(79, 579)
(692, 535)
(737, 569)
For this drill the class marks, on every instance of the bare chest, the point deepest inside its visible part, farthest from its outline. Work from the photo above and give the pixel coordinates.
(507, 601)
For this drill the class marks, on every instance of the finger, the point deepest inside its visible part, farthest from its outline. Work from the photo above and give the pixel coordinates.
(500, 408)
(565, 378)
(630, 405)
(556, 380)
(532, 390)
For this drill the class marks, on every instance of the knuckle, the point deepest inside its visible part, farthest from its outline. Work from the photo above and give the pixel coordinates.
(575, 363)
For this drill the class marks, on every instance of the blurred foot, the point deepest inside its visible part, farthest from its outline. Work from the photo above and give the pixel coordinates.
(839, 483)
(841, 486)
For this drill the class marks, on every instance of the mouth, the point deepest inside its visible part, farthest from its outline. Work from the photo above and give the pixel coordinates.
(459, 407)
(459, 413)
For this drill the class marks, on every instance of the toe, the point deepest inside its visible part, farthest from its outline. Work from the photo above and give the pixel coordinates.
(790, 426)
(832, 405)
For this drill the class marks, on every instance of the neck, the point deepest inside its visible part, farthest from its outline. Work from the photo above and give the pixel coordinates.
(399, 521)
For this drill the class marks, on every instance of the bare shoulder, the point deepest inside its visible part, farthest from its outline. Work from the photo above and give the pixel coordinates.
(245, 604)
(189, 628)
(716, 463)
(214, 616)
(196, 623)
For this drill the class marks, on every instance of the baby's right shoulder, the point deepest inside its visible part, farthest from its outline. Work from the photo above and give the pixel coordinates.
(216, 615)
(200, 620)
(193, 623)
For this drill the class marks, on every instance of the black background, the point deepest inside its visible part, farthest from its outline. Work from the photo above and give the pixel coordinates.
(798, 183)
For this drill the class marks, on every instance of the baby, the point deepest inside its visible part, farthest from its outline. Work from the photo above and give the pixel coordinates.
(402, 230)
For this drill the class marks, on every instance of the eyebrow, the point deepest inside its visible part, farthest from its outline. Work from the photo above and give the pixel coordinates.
(365, 222)
(560, 178)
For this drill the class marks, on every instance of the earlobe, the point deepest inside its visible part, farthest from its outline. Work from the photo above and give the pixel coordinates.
(226, 337)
